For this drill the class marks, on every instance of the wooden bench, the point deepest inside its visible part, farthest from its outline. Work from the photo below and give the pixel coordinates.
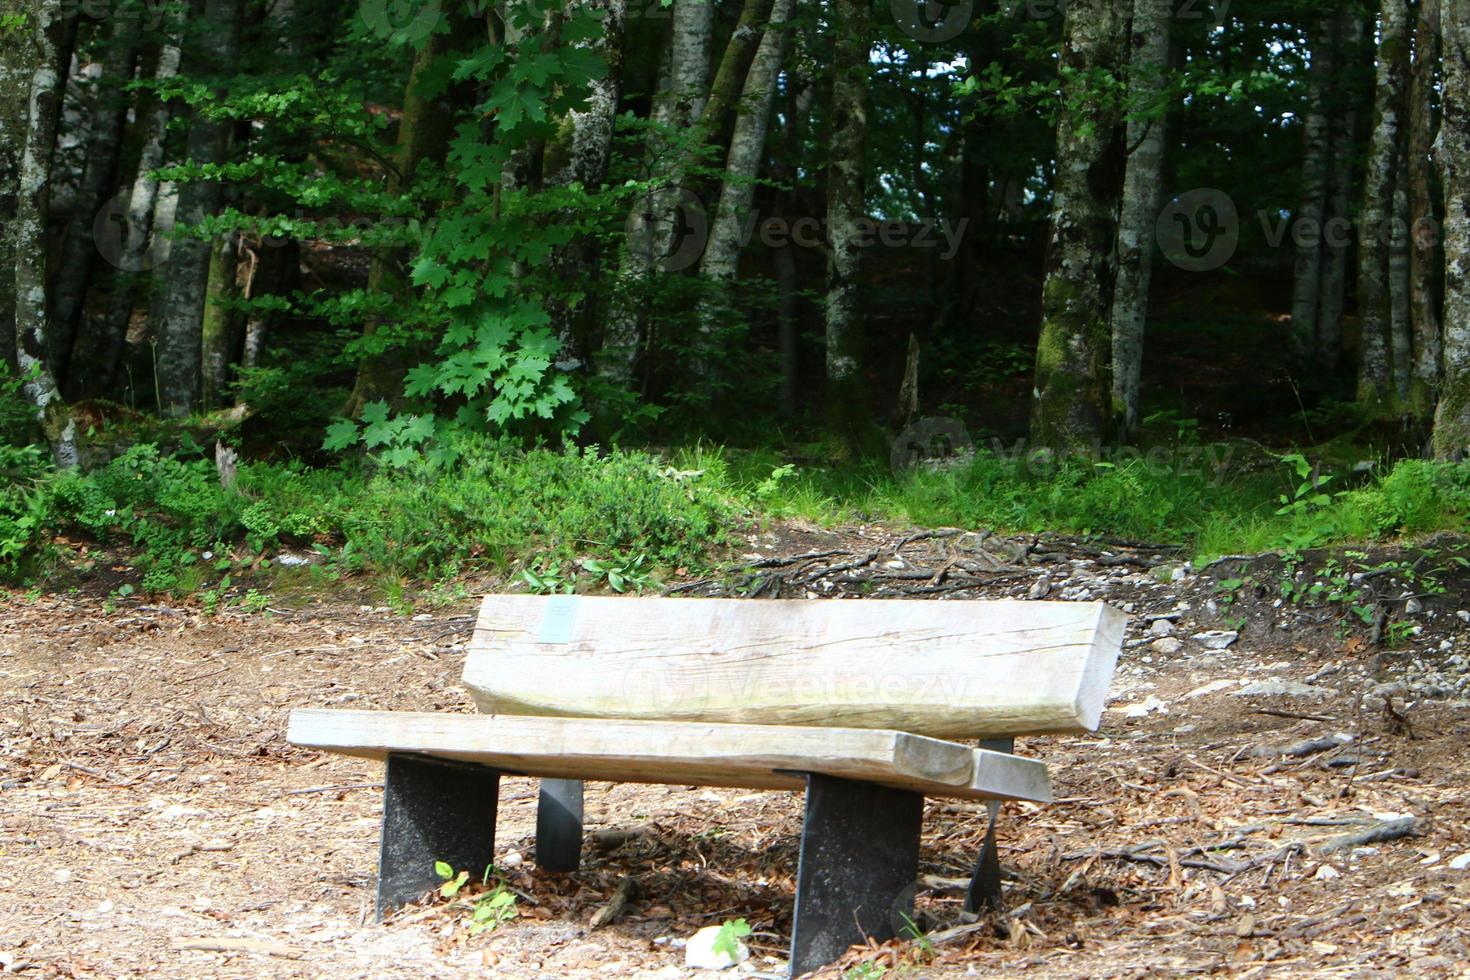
(853, 701)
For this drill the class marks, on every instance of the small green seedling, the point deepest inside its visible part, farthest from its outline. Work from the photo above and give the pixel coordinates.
(728, 940)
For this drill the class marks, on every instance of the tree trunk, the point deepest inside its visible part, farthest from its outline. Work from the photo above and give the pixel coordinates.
(1400, 305)
(1337, 248)
(1425, 258)
(178, 353)
(1375, 298)
(1452, 418)
(1073, 390)
(730, 78)
(1312, 211)
(747, 149)
(653, 224)
(1142, 192)
(217, 333)
(79, 251)
(424, 131)
(131, 250)
(29, 87)
(848, 411)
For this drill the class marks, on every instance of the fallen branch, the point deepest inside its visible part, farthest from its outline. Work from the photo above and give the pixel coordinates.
(615, 906)
(1384, 830)
(234, 944)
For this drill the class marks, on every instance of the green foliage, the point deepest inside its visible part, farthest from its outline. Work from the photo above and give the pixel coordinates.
(494, 906)
(727, 940)
(617, 513)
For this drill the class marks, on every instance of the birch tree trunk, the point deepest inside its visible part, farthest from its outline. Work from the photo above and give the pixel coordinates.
(1312, 211)
(1073, 390)
(1426, 258)
(29, 87)
(131, 249)
(1142, 193)
(79, 255)
(734, 69)
(178, 353)
(1452, 418)
(847, 409)
(1375, 300)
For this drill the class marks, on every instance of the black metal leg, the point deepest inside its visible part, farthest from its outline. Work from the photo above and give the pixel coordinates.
(985, 890)
(433, 810)
(559, 825)
(859, 861)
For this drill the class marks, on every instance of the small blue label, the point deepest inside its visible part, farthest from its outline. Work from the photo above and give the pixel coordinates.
(558, 619)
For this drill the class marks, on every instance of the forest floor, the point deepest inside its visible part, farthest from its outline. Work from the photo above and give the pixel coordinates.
(151, 812)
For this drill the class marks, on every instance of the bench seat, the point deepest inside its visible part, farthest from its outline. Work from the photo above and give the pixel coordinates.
(699, 754)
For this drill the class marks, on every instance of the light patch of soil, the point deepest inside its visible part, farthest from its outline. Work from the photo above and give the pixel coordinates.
(149, 802)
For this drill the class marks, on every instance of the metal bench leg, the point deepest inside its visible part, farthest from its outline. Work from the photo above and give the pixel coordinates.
(985, 890)
(559, 825)
(859, 862)
(433, 810)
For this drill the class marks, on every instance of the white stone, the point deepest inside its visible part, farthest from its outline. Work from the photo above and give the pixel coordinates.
(1210, 688)
(292, 561)
(699, 952)
(1282, 688)
(1161, 627)
(1326, 873)
(1167, 645)
(513, 860)
(1216, 639)
(1413, 607)
(1460, 863)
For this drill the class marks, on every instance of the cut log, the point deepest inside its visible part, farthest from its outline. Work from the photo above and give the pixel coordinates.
(942, 669)
(747, 756)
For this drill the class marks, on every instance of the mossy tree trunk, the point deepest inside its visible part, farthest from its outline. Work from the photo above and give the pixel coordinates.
(1452, 419)
(1142, 192)
(30, 85)
(848, 410)
(179, 354)
(1426, 258)
(1375, 296)
(1073, 386)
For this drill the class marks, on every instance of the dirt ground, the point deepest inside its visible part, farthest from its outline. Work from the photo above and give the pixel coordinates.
(151, 811)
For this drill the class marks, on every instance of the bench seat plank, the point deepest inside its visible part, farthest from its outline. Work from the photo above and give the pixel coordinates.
(973, 669)
(747, 756)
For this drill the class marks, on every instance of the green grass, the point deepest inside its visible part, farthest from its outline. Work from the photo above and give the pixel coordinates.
(577, 517)
(1210, 501)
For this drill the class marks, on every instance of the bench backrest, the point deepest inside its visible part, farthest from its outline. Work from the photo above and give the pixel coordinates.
(947, 669)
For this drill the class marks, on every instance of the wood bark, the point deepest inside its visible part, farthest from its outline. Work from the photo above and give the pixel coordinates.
(217, 329)
(30, 85)
(1073, 390)
(1426, 258)
(1400, 299)
(1312, 210)
(1375, 298)
(1142, 193)
(132, 249)
(78, 260)
(1338, 251)
(1452, 417)
(652, 226)
(178, 354)
(848, 411)
(747, 149)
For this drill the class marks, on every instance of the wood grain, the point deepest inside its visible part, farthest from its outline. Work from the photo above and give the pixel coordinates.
(750, 756)
(962, 669)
